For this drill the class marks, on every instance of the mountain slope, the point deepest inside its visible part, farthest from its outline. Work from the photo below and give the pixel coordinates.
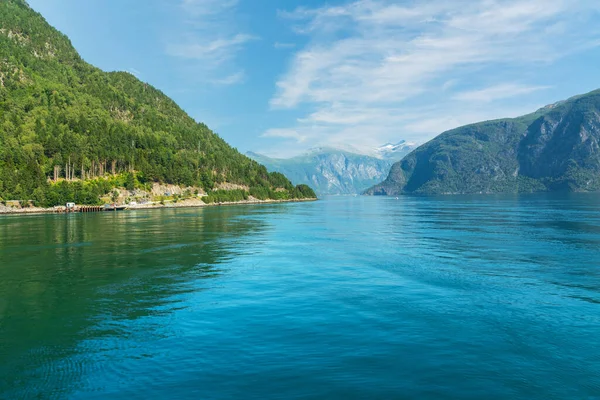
(64, 120)
(334, 171)
(554, 149)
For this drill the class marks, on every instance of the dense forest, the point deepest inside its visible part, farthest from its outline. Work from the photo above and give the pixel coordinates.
(71, 132)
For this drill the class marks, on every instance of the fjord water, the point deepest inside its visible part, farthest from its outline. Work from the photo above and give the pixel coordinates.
(491, 297)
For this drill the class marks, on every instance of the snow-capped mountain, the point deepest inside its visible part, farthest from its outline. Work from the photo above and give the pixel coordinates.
(338, 170)
(396, 152)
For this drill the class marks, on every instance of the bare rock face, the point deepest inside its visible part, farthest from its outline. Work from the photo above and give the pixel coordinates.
(334, 171)
(556, 148)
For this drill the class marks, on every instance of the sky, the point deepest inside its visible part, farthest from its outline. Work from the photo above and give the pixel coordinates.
(279, 77)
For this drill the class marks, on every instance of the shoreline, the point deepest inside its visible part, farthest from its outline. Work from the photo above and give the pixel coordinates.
(154, 206)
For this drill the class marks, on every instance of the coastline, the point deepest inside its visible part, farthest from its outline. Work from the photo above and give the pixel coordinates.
(200, 203)
(154, 206)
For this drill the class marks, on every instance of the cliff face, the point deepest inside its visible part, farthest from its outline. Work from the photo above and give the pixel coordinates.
(555, 148)
(330, 171)
(561, 148)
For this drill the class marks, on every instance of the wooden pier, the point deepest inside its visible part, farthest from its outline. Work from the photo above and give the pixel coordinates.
(86, 209)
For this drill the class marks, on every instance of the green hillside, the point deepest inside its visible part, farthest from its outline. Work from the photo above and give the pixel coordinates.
(555, 149)
(71, 132)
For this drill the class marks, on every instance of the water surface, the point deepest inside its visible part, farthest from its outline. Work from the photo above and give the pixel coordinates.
(494, 297)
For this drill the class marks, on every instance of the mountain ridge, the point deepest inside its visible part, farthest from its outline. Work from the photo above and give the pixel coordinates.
(333, 171)
(554, 148)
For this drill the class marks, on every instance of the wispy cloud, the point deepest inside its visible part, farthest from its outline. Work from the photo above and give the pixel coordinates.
(371, 66)
(279, 45)
(203, 8)
(210, 40)
(285, 134)
(215, 52)
(498, 92)
(134, 72)
(232, 79)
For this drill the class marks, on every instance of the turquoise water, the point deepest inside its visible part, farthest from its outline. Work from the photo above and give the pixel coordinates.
(378, 298)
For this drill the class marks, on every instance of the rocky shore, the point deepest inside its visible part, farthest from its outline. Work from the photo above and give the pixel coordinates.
(4, 210)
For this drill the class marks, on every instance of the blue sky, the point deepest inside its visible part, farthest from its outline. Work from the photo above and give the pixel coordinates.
(280, 77)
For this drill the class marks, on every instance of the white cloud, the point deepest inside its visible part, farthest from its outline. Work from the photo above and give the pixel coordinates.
(232, 79)
(497, 92)
(210, 40)
(285, 134)
(215, 52)
(371, 66)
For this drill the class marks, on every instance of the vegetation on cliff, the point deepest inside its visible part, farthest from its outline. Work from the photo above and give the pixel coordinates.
(554, 149)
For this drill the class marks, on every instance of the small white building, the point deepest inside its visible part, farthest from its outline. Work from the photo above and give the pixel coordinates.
(70, 206)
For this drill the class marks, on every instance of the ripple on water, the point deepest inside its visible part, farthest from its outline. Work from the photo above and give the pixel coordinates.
(456, 297)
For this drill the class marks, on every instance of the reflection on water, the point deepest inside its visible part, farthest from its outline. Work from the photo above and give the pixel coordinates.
(492, 297)
(68, 279)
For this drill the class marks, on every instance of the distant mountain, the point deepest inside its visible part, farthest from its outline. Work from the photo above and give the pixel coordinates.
(554, 149)
(334, 171)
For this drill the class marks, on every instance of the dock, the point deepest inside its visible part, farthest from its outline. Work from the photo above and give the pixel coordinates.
(86, 209)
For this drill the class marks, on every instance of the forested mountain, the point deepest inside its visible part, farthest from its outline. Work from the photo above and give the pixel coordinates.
(65, 126)
(554, 149)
